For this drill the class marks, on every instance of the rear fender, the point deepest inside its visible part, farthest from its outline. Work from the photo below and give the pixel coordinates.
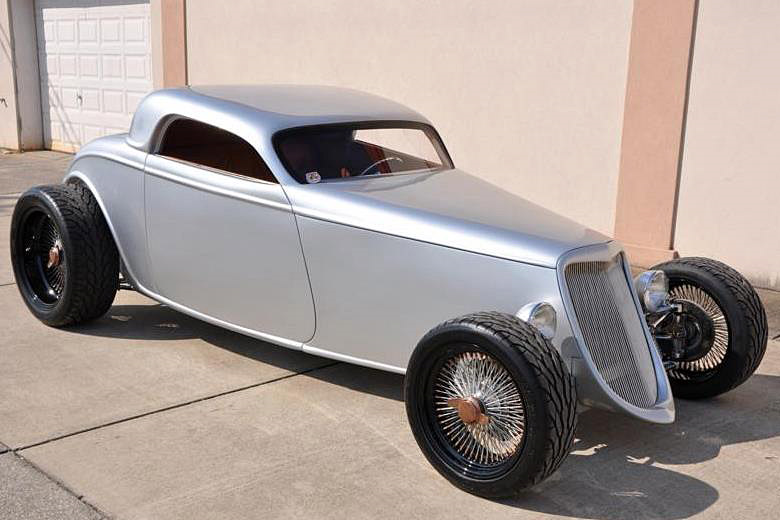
(117, 183)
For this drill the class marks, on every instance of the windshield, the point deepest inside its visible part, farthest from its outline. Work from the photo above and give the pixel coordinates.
(348, 151)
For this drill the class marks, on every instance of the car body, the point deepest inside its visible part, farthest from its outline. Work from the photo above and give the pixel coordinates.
(335, 222)
(359, 271)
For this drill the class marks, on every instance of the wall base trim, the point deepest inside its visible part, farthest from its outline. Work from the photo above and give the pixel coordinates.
(645, 256)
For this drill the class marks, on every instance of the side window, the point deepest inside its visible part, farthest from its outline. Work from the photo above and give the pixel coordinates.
(205, 145)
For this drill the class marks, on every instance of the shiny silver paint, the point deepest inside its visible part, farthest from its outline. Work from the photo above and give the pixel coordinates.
(114, 173)
(450, 208)
(376, 295)
(356, 271)
(227, 247)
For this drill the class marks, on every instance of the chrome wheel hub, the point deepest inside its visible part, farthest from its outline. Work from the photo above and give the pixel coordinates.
(470, 409)
(55, 254)
(479, 408)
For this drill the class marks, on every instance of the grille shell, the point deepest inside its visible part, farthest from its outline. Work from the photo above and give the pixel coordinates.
(607, 317)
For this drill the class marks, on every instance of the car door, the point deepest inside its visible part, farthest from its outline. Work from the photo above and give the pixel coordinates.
(221, 234)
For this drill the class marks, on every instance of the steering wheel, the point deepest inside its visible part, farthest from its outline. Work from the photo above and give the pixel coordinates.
(377, 163)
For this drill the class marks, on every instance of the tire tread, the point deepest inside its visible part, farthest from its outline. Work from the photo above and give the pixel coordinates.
(93, 271)
(555, 380)
(750, 306)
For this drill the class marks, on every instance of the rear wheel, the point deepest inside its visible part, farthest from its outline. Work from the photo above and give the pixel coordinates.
(65, 261)
(716, 336)
(490, 403)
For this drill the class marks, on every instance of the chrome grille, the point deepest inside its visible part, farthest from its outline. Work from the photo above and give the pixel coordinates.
(610, 324)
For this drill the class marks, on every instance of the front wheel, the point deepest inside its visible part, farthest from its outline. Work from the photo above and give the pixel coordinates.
(716, 336)
(491, 403)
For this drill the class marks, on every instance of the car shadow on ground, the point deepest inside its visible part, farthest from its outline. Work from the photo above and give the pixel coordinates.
(158, 322)
(619, 467)
(622, 468)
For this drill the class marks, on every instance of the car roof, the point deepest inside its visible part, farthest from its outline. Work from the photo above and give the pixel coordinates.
(265, 108)
(308, 101)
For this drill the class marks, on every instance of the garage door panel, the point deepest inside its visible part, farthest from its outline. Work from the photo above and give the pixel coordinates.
(91, 132)
(133, 98)
(69, 98)
(89, 66)
(113, 102)
(88, 32)
(95, 61)
(109, 31)
(90, 100)
(68, 68)
(135, 30)
(66, 32)
(136, 68)
(112, 67)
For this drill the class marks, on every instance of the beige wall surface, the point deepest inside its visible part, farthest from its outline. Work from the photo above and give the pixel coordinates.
(9, 124)
(730, 183)
(27, 80)
(20, 113)
(528, 95)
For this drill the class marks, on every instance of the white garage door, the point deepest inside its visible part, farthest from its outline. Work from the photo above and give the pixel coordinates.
(95, 65)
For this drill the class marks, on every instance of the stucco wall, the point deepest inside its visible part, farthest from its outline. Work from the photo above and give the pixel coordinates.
(9, 131)
(28, 84)
(527, 94)
(730, 183)
(20, 114)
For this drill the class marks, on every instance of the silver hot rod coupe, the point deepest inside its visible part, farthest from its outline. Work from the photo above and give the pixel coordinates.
(335, 222)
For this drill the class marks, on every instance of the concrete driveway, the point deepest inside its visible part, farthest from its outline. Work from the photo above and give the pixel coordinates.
(148, 413)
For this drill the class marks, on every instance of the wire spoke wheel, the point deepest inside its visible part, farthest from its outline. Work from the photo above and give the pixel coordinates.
(479, 408)
(715, 336)
(491, 403)
(45, 266)
(717, 342)
(478, 412)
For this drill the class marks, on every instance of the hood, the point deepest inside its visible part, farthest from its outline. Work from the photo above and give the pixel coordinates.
(449, 208)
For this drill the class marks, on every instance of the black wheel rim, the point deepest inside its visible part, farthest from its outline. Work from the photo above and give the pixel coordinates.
(706, 364)
(481, 451)
(44, 266)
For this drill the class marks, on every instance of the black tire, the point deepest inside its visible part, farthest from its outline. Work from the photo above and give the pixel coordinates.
(544, 385)
(82, 284)
(745, 318)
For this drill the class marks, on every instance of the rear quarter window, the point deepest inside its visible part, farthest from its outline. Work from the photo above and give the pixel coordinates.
(201, 144)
